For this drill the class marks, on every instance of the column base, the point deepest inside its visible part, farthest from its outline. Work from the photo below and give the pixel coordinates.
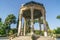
(17, 34)
(45, 34)
(32, 33)
(24, 34)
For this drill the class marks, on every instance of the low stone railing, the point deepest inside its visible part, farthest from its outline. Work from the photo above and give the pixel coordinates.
(56, 35)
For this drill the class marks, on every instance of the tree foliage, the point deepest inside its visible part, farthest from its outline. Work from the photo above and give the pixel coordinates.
(47, 25)
(0, 19)
(10, 19)
(5, 27)
(10, 32)
(2, 30)
(57, 31)
(58, 17)
(28, 28)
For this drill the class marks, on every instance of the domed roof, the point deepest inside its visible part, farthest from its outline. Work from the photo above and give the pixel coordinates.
(32, 2)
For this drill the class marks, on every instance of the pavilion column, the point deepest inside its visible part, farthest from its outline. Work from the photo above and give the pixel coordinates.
(20, 23)
(24, 26)
(32, 24)
(40, 25)
(44, 23)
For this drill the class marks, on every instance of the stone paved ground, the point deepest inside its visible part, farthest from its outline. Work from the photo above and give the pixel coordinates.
(45, 38)
(29, 38)
(22, 38)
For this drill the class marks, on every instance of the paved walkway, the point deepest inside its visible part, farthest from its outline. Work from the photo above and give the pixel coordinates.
(30, 38)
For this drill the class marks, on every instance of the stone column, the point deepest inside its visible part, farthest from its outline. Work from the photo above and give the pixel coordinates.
(24, 26)
(40, 25)
(44, 23)
(20, 23)
(32, 24)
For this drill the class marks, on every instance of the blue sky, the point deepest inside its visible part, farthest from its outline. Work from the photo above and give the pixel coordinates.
(12, 7)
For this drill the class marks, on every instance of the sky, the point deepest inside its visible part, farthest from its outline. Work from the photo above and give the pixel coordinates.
(12, 7)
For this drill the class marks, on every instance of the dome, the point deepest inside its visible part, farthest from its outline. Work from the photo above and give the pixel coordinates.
(32, 2)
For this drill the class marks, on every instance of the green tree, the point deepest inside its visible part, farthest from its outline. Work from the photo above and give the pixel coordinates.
(10, 32)
(10, 19)
(0, 24)
(57, 31)
(47, 25)
(2, 30)
(58, 17)
(48, 29)
(28, 28)
(0, 19)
